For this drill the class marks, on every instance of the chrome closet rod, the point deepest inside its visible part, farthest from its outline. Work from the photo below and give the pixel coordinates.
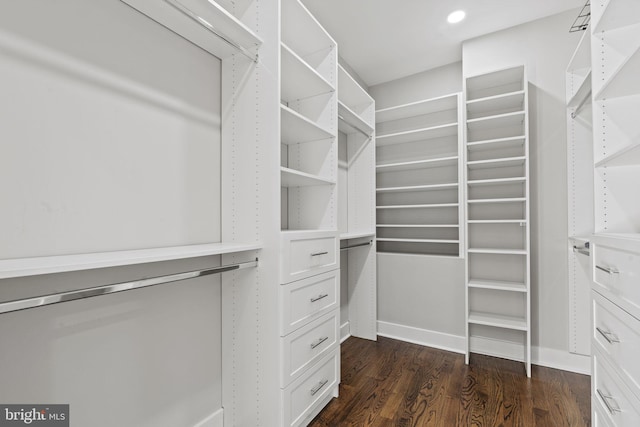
(579, 107)
(357, 245)
(23, 304)
(352, 126)
(209, 27)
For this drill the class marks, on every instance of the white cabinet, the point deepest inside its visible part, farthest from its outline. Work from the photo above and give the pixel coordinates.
(419, 170)
(497, 206)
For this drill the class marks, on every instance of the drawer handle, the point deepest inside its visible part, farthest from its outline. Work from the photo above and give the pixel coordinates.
(319, 253)
(609, 336)
(606, 398)
(318, 387)
(317, 343)
(319, 297)
(607, 270)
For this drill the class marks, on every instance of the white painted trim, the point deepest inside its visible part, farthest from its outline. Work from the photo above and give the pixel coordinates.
(345, 331)
(213, 420)
(454, 343)
(541, 356)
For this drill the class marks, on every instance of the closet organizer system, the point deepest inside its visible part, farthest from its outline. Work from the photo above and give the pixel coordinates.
(291, 118)
(610, 165)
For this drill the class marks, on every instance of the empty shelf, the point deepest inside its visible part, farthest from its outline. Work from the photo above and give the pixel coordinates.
(497, 285)
(294, 178)
(418, 164)
(496, 181)
(350, 92)
(439, 131)
(299, 80)
(356, 235)
(353, 120)
(295, 128)
(490, 105)
(617, 14)
(505, 200)
(497, 163)
(498, 321)
(423, 206)
(627, 156)
(419, 108)
(497, 121)
(497, 251)
(379, 239)
(496, 144)
(417, 188)
(417, 225)
(497, 221)
(582, 93)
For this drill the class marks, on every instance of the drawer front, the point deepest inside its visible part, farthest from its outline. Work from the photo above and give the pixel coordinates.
(304, 257)
(619, 404)
(618, 272)
(617, 335)
(308, 391)
(307, 299)
(599, 419)
(303, 348)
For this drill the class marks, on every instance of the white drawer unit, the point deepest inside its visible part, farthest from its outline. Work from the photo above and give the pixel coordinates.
(616, 334)
(617, 274)
(304, 347)
(619, 406)
(599, 419)
(301, 398)
(307, 299)
(307, 253)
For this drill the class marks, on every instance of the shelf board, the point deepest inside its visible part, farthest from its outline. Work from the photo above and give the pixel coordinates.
(582, 55)
(617, 14)
(418, 108)
(352, 120)
(299, 80)
(583, 91)
(627, 156)
(498, 321)
(497, 121)
(497, 285)
(210, 16)
(496, 181)
(22, 267)
(295, 128)
(439, 131)
(417, 188)
(491, 104)
(497, 251)
(503, 200)
(496, 221)
(417, 225)
(357, 235)
(423, 206)
(418, 164)
(350, 93)
(294, 178)
(496, 144)
(385, 239)
(497, 163)
(623, 58)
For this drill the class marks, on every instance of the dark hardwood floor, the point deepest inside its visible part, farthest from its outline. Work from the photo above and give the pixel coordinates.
(394, 383)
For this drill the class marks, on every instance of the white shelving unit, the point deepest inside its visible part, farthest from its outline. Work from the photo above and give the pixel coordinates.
(419, 175)
(580, 191)
(497, 220)
(615, 249)
(356, 208)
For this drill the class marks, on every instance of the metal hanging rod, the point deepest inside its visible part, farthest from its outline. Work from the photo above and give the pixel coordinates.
(582, 103)
(209, 27)
(353, 126)
(22, 304)
(357, 245)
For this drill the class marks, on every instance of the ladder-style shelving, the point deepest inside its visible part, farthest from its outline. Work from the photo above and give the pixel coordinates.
(497, 215)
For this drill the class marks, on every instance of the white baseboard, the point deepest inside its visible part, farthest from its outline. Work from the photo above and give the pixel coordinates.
(214, 420)
(424, 337)
(547, 357)
(345, 331)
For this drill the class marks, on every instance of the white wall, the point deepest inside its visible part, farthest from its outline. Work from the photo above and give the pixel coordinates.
(105, 129)
(545, 47)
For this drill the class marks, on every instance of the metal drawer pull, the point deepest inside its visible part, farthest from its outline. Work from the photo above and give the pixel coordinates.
(318, 387)
(319, 253)
(607, 270)
(320, 341)
(319, 297)
(609, 336)
(606, 398)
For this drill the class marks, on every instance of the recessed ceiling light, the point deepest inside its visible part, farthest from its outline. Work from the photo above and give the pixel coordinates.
(455, 17)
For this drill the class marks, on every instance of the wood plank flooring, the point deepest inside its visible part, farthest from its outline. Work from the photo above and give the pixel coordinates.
(394, 383)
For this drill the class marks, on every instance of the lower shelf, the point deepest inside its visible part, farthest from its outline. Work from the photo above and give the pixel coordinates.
(498, 321)
(497, 285)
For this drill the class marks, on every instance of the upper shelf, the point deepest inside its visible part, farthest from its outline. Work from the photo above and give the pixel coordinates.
(294, 178)
(419, 108)
(616, 14)
(23, 267)
(299, 80)
(582, 55)
(495, 83)
(497, 163)
(448, 129)
(353, 121)
(302, 32)
(497, 121)
(497, 104)
(582, 93)
(352, 95)
(418, 164)
(496, 144)
(627, 156)
(204, 23)
(295, 128)
(620, 75)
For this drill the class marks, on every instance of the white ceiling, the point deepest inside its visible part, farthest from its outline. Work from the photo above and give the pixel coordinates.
(384, 40)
